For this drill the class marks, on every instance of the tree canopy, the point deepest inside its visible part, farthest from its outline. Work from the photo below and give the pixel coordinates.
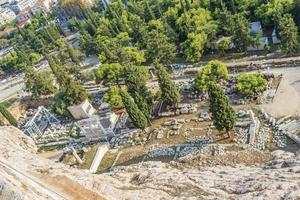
(215, 71)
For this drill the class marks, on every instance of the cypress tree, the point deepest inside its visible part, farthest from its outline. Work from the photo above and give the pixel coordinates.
(223, 115)
(10, 118)
(73, 54)
(135, 114)
(169, 92)
(136, 84)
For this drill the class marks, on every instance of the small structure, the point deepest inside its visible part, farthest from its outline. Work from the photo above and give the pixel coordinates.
(82, 111)
(37, 125)
(256, 29)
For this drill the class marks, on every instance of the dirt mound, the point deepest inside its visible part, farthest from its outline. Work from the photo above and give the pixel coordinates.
(233, 176)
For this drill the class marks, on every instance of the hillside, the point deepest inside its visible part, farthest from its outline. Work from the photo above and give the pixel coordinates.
(24, 175)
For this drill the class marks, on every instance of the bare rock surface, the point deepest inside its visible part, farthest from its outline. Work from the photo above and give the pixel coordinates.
(274, 176)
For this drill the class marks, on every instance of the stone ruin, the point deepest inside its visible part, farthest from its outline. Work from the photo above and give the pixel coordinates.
(197, 145)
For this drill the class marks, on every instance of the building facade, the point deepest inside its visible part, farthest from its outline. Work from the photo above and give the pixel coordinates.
(6, 16)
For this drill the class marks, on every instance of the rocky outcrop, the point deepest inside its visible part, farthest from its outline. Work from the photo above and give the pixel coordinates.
(279, 178)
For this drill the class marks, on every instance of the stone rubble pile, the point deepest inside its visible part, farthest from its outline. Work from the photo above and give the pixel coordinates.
(243, 135)
(279, 138)
(217, 150)
(193, 150)
(161, 152)
(262, 138)
(120, 141)
(201, 140)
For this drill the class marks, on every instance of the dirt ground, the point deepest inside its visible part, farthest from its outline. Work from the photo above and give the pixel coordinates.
(287, 99)
(69, 188)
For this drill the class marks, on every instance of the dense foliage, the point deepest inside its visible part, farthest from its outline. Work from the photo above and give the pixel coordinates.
(249, 84)
(135, 114)
(169, 92)
(215, 71)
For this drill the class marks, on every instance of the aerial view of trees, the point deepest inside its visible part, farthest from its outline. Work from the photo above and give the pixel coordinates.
(129, 35)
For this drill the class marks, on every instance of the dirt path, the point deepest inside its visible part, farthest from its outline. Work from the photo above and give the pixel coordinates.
(286, 101)
(73, 190)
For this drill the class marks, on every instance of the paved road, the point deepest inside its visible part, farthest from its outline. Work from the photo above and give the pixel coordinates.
(11, 90)
(32, 183)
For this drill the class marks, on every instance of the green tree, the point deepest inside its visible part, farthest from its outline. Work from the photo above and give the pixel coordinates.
(135, 114)
(196, 21)
(74, 93)
(194, 46)
(8, 116)
(87, 43)
(223, 115)
(39, 84)
(113, 98)
(74, 54)
(249, 84)
(135, 81)
(109, 74)
(288, 33)
(169, 92)
(224, 44)
(58, 105)
(271, 9)
(158, 45)
(241, 36)
(73, 24)
(214, 71)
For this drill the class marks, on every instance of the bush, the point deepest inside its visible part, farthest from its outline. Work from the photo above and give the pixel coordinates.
(113, 98)
(249, 84)
(59, 106)
(215, 71)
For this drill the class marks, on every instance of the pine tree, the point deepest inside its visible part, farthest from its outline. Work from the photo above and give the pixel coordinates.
(10, 118)
(38, 83)
(74, 92)
(135, 114)
(223, 115)
(169, 92)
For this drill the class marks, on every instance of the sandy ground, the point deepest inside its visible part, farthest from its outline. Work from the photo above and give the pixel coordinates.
(287, 99)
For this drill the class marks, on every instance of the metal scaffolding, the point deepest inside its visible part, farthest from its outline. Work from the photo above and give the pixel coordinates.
(39, 122)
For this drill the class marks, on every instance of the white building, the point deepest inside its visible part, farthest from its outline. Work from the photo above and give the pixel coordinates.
(25, 15)
(82, 111)
(256, 29)
(22, 5)
(43, 5)
(6, 16)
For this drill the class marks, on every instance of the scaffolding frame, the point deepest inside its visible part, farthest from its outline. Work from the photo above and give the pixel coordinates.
(39, 122)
